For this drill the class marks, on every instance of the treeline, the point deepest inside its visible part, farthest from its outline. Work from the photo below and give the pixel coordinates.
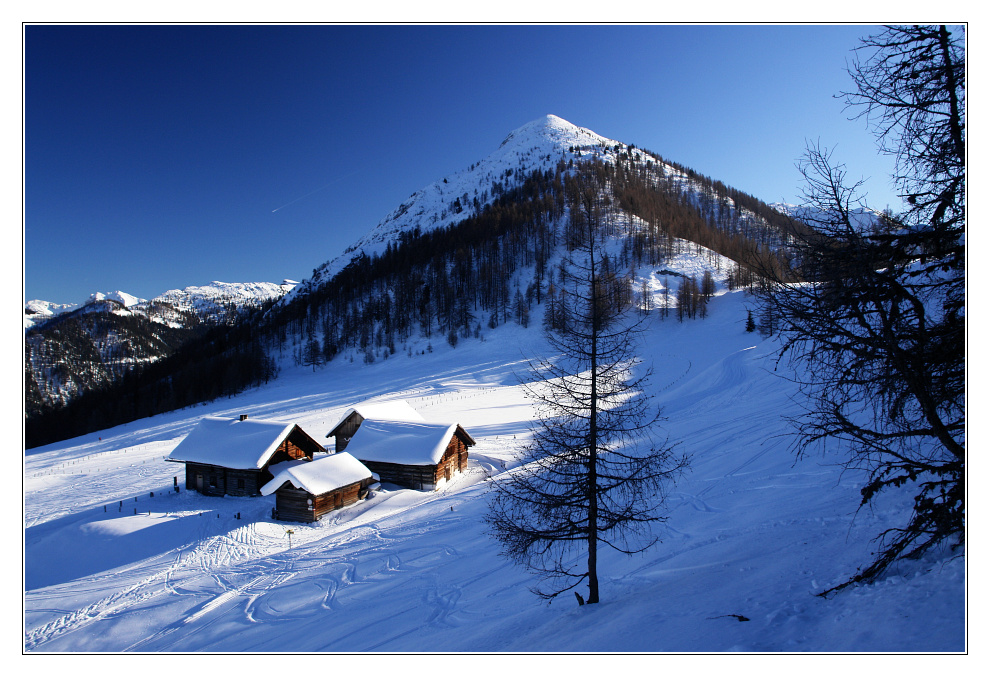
(219, 361)
(682, 204)
(92, 348)
(453, 283)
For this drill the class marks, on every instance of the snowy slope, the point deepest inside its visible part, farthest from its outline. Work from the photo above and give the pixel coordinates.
(539, 144)
(753, 532)
(216, 296)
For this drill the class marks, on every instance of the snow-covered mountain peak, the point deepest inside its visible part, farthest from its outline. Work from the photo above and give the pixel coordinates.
(537, 145)
(222, 297)
(553, 131)
(123, 298)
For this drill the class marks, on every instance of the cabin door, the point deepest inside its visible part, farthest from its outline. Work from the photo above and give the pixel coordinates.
(199, 482)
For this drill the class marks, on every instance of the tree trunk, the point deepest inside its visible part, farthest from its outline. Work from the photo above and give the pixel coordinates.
(593, 433)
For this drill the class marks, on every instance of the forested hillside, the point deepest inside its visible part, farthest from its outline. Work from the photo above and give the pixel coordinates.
(496, 265)
(92, 348)
(492, 263)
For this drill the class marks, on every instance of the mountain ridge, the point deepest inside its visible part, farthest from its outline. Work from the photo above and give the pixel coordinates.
(192, 297)
(537, 145)
(81, 348)
(470, 252)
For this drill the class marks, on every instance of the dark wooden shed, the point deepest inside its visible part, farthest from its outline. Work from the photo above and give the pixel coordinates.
(414, 454)
(232, 456)
(304, 492)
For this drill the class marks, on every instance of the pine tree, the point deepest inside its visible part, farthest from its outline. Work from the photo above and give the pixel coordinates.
(312, 355)
(750, 324)
(708, 286)
(593, 475)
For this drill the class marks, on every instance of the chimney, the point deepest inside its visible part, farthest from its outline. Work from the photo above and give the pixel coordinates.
(244, 417)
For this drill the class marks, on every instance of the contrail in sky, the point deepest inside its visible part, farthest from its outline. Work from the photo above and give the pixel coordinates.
(314, 191)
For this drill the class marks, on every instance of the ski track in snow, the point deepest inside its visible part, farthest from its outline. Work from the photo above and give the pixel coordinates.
(750, 530)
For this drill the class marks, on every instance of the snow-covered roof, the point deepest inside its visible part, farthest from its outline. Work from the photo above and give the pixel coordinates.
(403, 442)
(318, 476)
(392, 410)
(232, 443)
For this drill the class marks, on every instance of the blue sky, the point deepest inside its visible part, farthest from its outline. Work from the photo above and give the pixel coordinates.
(158, 157)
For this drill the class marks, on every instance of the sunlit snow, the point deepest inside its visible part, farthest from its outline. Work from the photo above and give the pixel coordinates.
(752, 531)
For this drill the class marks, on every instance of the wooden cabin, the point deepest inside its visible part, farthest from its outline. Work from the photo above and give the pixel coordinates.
(414, 454)
(304, 492)
(394, 410)
(233, 456)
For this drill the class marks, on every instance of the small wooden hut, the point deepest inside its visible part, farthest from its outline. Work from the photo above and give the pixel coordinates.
(306, 491)
(232, 456)
(414, 454)
(393, 410)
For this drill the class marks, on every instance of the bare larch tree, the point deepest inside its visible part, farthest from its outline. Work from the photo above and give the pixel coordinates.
(878, 322)
(594, 474)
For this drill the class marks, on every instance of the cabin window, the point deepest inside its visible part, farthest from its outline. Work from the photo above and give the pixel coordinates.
(213, 481)
(240, 484)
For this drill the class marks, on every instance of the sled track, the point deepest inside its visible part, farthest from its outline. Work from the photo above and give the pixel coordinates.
(199, 556)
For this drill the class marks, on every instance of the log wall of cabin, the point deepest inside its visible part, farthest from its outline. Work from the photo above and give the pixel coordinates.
(292, 504)
(424, 477)
(218, 481)
(243, 482)
(298, 505)
(454, 460)
(213, 479)
(412, 476)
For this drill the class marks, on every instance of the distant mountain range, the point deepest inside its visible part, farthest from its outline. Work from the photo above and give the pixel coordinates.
(211, 302)
(75, 348)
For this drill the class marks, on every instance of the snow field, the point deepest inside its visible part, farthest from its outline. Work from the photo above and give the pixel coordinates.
(752, 531)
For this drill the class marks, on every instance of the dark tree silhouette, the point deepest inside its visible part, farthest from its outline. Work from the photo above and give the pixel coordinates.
(593, 475)
(879, 327)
